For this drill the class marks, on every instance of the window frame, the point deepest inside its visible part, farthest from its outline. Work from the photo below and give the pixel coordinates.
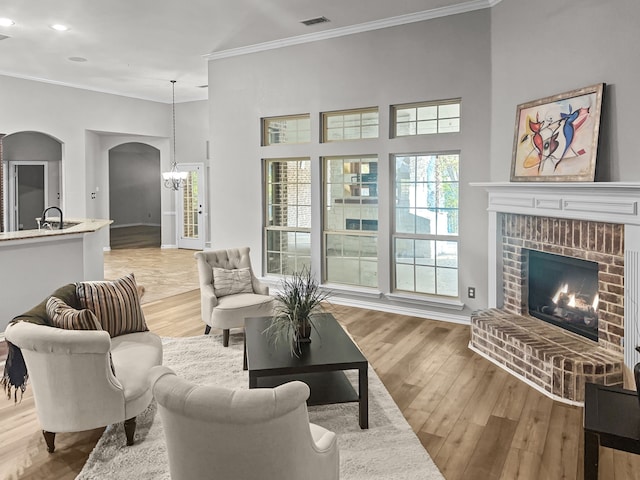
(434, 237)
(267, 204)
(325, 116)
(345, 232)
(393, 116)
(265, 121)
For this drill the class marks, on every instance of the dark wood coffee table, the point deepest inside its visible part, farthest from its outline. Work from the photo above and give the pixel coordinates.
(321, 364)
(611, 419)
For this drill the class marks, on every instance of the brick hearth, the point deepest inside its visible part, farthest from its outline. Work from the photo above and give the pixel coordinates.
(556, 361)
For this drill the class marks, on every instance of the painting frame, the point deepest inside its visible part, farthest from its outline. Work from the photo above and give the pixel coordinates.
(556, 138)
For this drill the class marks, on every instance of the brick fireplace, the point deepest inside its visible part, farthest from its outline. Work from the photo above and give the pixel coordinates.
(599, 242)
(595, 222)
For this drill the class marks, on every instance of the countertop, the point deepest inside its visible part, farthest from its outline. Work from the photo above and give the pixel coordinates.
(84, 225)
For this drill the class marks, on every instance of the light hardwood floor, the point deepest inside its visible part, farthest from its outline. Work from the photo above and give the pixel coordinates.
(475, 420)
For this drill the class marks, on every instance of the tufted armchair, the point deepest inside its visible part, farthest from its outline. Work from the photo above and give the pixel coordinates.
(84, 378)
(73, 380)
(259, 434)
(229, 290)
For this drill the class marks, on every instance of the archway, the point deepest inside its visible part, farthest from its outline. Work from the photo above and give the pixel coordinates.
(134, 196)
(31, 178)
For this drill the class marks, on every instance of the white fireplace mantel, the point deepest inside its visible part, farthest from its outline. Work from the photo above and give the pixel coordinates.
(611, 202)
(614, 202)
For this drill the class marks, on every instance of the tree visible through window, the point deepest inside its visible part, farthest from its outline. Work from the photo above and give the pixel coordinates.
(426, 223)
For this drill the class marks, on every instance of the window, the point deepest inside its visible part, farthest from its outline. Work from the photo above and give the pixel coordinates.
(426, 118)
(351, 220)
(289, 129)
(425, 240)
(288, 215)
(350, 125)
(190, 206)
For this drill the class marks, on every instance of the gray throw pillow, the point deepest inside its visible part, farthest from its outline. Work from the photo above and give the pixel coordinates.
(231, 282)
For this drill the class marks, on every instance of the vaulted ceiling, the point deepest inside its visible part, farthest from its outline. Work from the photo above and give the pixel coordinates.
(135, 47)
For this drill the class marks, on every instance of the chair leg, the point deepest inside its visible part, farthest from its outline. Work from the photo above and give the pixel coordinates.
(130, 429)
(207, 329)
(225, 337)
(50, 439)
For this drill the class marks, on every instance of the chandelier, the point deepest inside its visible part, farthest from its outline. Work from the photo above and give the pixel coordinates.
(174, 179)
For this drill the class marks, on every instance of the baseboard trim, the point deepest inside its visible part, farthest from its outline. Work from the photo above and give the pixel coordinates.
(124, 225)
(402, 310)
(168, 247)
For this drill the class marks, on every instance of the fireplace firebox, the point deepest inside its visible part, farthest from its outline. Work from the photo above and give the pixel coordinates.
(564, 291)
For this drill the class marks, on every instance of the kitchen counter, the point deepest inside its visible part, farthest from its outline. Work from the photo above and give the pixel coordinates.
(33, 263)
(83, 225)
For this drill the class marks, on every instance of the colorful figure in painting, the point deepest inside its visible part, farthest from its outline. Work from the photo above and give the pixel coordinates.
(552, 139)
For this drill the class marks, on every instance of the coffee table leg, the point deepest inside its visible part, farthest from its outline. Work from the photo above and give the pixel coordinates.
(591, 455)
(363, 393)
(244, 355)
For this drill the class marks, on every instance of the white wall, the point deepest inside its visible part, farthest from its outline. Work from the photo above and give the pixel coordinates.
(192, 132)
(547, 47)
(88, 124)
(437, 59)
(67, 114)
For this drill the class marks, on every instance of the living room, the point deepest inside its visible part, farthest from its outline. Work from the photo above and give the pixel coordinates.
(492, 58)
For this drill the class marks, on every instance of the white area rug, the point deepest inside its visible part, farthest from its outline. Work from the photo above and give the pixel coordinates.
(387, 450)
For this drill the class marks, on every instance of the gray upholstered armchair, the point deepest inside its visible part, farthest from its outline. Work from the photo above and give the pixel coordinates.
(229, 290)
(259, 434)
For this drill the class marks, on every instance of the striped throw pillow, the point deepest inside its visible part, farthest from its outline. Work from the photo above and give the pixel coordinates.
(115, 303)
(64, 316)
(231, 282)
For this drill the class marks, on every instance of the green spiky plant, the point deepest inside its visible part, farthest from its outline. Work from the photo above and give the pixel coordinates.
(297, 300)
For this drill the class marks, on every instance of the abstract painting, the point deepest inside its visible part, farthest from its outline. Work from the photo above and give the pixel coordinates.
(556, 138)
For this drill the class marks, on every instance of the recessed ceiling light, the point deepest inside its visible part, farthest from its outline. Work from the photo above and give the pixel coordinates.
(77, 59)
(59, 27)
(6, 22)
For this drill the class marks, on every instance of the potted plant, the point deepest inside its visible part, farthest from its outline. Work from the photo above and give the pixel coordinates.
(297, 300)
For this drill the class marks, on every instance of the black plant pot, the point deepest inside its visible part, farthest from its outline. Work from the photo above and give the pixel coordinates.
(304, 332)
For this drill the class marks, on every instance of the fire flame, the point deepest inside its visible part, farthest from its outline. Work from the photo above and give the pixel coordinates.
(572, 300)
(564, 289)
(596, 300)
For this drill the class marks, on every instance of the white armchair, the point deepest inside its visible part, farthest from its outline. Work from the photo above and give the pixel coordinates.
(248, 297)
(73, 384)
(258, 434)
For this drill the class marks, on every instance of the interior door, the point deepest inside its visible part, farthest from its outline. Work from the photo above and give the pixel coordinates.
(27, 198)
(190, 207)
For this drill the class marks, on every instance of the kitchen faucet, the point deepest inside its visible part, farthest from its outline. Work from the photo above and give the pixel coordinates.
(44, 216)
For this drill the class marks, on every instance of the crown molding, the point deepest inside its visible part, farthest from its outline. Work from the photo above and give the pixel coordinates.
(353, 29)
(95, 89)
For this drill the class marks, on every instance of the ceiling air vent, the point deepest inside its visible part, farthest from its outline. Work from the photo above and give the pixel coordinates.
(313, 21)
(2, 37)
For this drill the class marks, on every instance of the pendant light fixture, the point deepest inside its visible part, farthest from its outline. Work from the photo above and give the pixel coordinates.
(174, 179)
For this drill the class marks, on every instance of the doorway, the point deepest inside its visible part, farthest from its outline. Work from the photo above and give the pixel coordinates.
(134, 196)
(31, 179)
(27, 194)
(190, 208)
